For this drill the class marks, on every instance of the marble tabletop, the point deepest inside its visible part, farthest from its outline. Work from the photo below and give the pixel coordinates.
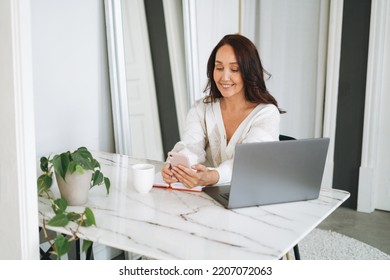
(171, 224)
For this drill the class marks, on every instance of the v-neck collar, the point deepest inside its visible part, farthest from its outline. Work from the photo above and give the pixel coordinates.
(221, 126)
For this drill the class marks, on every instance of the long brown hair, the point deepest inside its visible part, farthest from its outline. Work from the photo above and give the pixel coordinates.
(251, 69)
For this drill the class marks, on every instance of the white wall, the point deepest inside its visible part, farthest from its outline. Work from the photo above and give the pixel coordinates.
(18, 203)
(56, 49)
(71, 80)
(71, 83)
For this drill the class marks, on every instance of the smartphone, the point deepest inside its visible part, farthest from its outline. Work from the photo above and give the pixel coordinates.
(178, 158)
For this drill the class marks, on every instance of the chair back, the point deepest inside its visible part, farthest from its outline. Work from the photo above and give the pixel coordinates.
(285, 137)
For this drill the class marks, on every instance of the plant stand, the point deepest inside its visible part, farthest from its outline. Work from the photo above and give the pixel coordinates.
(45, 254)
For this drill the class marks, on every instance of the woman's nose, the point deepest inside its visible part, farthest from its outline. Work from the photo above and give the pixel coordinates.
(226, 75)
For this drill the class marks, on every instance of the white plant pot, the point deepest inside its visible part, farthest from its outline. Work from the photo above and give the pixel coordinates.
(75, 187)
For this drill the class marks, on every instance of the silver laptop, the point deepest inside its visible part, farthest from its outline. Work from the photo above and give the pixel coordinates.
(274, 172)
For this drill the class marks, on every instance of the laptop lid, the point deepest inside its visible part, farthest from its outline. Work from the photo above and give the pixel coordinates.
(274, 172)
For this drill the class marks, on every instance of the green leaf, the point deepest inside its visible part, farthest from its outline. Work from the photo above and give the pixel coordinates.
(84, 158)
(83, 151)
(61, 246)
(44, 182)
(86, 245)
(79, 169)
(86, 223)
(72, 167)
(73, 216)
(59, 220)
(59, 205)
(97, 178)
(61, 163)
(44, 164)
(108, 184)
(96, 164)
(90, 217)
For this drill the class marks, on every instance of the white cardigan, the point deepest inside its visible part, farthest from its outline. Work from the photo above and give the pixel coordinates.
(204, 139)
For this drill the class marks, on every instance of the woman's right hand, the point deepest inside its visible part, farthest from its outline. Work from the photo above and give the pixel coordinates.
(167, 174)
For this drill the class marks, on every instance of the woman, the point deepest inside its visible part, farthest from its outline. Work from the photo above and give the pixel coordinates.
(238, 109)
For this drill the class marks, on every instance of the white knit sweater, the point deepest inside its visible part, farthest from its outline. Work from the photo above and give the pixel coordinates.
(204, 139)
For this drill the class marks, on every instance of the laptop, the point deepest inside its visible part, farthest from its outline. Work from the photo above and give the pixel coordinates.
(274, 172)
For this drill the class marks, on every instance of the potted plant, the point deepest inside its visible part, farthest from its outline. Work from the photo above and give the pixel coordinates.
(81, 169)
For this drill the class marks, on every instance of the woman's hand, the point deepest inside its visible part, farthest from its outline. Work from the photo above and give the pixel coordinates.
(197, 175)
(167, 174)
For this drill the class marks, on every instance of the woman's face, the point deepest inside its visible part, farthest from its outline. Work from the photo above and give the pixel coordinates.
(227, 73)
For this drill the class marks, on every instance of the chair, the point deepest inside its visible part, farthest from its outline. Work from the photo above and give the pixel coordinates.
(283, 137)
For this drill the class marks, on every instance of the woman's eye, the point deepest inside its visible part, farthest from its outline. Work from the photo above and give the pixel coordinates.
(219, 68)
(235, 70)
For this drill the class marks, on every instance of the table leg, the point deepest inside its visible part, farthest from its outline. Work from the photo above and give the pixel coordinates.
(296, 252)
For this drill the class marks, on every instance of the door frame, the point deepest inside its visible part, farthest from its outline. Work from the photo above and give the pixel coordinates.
(18, 192)
(117, 70)
(375, 89)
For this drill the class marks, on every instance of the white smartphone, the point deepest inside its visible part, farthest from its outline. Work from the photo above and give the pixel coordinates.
(178, 158)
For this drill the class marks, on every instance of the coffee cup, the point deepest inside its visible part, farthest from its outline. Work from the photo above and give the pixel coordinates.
(143, 177)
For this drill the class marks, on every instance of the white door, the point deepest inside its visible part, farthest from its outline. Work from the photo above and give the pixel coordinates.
(374, 175)
(382, 184)
(382, 192)
(144, 121)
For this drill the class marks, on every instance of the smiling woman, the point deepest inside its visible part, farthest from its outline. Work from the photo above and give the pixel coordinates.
(237, 109)
(291, 35)
(295, 57)
(150, 17)
(295, 54)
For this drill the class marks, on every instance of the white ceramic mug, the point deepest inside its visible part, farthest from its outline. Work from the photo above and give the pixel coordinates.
(143, 177)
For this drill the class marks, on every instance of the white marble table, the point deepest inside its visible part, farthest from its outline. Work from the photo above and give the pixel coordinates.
(169, 224)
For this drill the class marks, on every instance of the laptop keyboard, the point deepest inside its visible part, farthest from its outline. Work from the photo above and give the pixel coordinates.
(225, 195)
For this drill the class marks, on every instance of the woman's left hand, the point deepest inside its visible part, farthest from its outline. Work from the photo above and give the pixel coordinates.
(197, 175)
